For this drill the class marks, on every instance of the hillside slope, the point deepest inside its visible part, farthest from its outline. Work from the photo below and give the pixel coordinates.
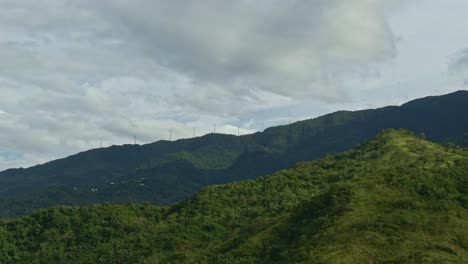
(396, 199)
(165, 172)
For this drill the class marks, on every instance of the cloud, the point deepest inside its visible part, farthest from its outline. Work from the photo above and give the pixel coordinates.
(291, 48)
(458, 65)
(72, 72)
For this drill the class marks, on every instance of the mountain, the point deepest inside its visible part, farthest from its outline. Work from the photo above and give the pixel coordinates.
(165, 172)
(395, 199)
(461, 141)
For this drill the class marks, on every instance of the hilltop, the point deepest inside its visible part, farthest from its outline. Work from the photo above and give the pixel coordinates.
(166, 172)
(397, 198)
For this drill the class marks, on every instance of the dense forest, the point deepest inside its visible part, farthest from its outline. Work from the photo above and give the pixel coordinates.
(165, 172)
(395, 199)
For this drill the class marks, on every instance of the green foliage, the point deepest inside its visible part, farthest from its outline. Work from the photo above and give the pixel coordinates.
(395, 199)
(173, 171)
(97, 234)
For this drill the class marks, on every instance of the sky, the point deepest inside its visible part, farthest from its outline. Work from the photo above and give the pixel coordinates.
(75, 73)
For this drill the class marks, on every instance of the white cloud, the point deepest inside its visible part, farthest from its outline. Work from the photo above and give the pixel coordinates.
(290, 47)
(458, 66)
(72, 72)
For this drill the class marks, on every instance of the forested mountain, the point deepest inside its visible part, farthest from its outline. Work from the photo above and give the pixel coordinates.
(165, 172)
(460, 141)
(395, 199)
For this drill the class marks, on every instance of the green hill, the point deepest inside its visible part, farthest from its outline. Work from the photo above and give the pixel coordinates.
(165, 172)
(395, 199)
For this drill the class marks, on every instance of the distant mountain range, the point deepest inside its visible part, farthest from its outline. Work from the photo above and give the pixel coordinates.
(395, 199)
(165, 172)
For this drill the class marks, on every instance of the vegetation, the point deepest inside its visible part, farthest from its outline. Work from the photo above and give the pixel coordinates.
(396, 199)
(165, 172)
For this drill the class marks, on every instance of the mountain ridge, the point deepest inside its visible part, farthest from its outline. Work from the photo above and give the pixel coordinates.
(394, 199)
(455, 94)
(175, 170)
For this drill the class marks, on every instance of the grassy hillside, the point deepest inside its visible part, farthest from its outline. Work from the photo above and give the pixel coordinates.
(166, 172)
(396, 199)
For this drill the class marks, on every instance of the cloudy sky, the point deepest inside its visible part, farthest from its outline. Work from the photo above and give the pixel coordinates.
(75, 71)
